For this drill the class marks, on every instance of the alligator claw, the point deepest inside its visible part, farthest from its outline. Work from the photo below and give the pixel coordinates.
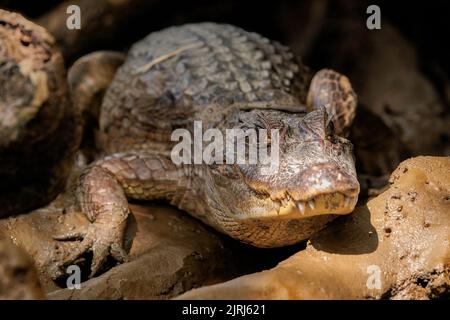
(101, 240)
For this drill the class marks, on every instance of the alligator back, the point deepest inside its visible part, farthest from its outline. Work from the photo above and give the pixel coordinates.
(195, 72)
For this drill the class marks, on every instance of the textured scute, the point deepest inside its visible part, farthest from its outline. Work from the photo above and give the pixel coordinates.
(171, 75)
(275, 232)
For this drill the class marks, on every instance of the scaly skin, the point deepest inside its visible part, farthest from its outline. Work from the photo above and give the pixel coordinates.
(39, 129)
(227, 78)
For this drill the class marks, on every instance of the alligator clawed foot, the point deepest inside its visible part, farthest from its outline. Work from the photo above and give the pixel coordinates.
(98, 238)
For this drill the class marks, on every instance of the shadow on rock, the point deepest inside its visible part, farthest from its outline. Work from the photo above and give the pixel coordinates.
(353, 234)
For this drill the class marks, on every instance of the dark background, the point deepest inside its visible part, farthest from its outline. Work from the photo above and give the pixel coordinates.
(425, 23)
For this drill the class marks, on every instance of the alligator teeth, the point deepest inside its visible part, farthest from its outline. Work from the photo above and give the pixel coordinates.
(311, 204)
(301, 207)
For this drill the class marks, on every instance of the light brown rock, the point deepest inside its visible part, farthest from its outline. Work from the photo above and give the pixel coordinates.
(404, 233)
(40, 130)
(18, 276)
(170, 253)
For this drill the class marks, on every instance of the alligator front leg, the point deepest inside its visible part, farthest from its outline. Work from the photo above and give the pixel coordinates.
(102, 195)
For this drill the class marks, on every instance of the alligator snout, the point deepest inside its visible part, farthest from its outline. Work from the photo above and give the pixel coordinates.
(327, 178)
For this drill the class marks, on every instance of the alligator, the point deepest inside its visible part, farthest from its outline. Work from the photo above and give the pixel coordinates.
(226, 78)
(216, 74)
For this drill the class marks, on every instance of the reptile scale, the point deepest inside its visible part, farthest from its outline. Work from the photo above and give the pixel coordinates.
(226, 78)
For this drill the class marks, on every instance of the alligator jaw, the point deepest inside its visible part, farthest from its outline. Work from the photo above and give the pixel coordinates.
(323, 204)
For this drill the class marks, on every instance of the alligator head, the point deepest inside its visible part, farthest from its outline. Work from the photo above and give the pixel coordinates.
(314, 180)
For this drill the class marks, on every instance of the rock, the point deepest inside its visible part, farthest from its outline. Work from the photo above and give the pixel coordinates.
(101, 22)
(39, 128)
(377, 148)
(378, 151)
(397, 246)
(33, 233)
(395, 89)
(18, 277)
(170, 253)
